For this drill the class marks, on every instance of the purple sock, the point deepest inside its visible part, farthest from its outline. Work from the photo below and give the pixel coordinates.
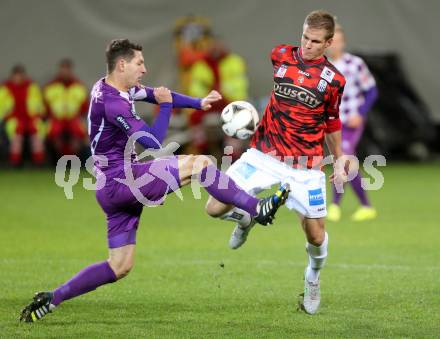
(360, 192)
(224, 189)
(336, 196)
(85, 281)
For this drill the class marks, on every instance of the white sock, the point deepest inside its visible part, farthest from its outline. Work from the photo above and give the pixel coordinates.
(238, 215)
(317, 256)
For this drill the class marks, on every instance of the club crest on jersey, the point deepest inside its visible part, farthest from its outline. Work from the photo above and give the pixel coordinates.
(327, 74)
(322, 85)
(281, 71)
(301, 79)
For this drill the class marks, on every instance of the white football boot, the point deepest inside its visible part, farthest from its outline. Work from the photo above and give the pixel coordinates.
(267, 209)
(311, 297)
(239, 235)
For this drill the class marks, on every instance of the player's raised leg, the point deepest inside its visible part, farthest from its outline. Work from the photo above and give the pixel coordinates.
(227, 192)
(253, 178)
(244, 221)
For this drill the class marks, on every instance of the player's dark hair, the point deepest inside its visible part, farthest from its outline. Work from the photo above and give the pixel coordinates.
(120, 48)
(321, 20)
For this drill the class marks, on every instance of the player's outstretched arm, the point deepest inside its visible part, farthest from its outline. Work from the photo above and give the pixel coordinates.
(179, 100)
(212, 97)
(121, 116)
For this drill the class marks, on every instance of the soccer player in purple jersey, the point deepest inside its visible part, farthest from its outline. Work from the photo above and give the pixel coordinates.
(360, 93)
(112, 123)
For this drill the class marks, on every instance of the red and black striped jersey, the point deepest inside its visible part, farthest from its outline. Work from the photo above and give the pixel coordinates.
(304, 104)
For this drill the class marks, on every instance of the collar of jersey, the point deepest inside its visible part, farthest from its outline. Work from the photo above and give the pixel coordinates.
(308, 62)
(111, 89)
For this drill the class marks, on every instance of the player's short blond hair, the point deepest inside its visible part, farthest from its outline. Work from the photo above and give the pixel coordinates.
(321, 19)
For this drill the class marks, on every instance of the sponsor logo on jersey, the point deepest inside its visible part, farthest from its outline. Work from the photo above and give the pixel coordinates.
(281, 71)
(327, 74)
(322, 85)
(316, 197)
(297, 93)
(304, 73)
(122, 122)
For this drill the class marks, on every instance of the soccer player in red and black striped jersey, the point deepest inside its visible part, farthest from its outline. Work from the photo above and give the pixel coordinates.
(287, 147)
(303, 107)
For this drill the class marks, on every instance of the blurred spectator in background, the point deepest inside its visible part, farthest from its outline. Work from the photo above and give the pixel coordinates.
(66, 100)
(192, 35)
(222, 71)
(22, 109)
(360, 93)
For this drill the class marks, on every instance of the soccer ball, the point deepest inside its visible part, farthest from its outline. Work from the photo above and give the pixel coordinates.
(240, 119)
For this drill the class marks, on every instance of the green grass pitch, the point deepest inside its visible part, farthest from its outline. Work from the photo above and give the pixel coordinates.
(382, 278)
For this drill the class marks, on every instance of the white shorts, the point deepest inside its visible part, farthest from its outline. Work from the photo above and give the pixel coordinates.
(256, 171)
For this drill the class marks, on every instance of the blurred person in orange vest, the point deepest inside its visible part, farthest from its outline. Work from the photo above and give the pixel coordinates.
(66, 99)
(192, 35)
(224, 72)
(22, 109)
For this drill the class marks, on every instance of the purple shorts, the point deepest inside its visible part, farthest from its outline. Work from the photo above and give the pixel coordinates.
(123, 202)
(350, 139)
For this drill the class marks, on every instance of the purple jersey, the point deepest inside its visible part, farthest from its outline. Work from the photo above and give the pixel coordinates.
(359, 95)
(112, 119)
(359, 81)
